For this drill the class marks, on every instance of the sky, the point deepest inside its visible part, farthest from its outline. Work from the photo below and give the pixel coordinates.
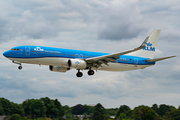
(95, 25)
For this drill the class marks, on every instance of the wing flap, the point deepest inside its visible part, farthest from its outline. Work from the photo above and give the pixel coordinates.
(158, 59)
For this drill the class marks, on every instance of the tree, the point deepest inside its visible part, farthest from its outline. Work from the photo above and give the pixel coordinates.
(66, 109)
(155, 107)
(54, 108)
(6, 105)
(165, 108)
(17, 109)
(123, 109)
(122, 116)
(173, 115)
(112, 111)
(85, 116)
(89, 109)
(26, 107)
(1, 110)
(37, 108)
(34, 107)
(60, 111)
(49, 106)
(99, 112)
(69, 116)
(78, 109)
(15, 117)
(144, 113)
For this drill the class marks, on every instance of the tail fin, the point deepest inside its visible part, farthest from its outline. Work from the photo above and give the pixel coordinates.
(149, 50)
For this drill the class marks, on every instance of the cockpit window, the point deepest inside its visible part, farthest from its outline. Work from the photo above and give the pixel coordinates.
(15, 49)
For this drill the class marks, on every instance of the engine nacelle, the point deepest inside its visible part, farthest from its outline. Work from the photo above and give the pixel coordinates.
(77, 64)
(58, 68)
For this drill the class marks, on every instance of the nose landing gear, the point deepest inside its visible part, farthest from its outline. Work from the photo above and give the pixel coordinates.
(20, 67)
(16, 62)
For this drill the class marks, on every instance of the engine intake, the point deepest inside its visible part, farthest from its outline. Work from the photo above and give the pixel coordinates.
(77, 63)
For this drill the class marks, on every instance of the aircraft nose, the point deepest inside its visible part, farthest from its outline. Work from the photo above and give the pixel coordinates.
(6, 54)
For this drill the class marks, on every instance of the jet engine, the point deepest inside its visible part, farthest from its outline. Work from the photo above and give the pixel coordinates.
(77, 64)
(58, 68)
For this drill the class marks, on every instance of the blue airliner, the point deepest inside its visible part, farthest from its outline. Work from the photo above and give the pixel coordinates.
(62, 60)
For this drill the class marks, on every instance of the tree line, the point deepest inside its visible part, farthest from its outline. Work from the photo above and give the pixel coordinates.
(45, 108)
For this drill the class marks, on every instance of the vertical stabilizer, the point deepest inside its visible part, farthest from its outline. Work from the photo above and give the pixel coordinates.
(149, 50)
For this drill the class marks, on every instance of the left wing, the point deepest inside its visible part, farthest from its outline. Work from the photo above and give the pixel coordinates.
(97, 61)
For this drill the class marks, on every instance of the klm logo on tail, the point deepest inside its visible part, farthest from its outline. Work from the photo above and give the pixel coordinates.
(149, 47)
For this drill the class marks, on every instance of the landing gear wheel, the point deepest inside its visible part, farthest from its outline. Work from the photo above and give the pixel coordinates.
(90, 72)
(20, 67)
(79, 74)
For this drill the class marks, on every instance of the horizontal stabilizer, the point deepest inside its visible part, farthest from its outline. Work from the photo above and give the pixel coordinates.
(158, 59)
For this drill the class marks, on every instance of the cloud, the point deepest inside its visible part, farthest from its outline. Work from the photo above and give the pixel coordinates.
(103, 26)
(122, 20)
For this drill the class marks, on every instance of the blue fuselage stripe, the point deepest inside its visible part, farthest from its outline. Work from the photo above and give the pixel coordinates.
(30, 52)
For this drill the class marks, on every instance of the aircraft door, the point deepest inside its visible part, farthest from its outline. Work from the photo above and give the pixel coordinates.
(135, 62)
(27, 51)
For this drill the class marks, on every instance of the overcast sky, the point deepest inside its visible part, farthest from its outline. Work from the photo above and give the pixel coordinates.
(95, 25)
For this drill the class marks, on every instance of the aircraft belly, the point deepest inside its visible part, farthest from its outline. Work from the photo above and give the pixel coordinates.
(43, 61)
(63, 62)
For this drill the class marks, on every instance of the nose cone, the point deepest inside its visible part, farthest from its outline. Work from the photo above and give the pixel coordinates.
(6, 54)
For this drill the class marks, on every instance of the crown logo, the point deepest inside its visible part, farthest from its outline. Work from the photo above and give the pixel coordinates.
(149, 44)
(77, 62)
(58, 67)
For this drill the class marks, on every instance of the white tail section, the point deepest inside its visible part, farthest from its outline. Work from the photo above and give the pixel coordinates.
(149, 50)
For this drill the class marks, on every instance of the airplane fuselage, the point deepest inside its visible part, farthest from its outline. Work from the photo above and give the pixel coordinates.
(58, 57)
(62, 60)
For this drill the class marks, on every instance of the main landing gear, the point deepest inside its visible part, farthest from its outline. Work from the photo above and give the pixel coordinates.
(80, 74)
(90, 72)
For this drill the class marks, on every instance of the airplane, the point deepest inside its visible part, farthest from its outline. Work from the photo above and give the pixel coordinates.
(62, 60)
